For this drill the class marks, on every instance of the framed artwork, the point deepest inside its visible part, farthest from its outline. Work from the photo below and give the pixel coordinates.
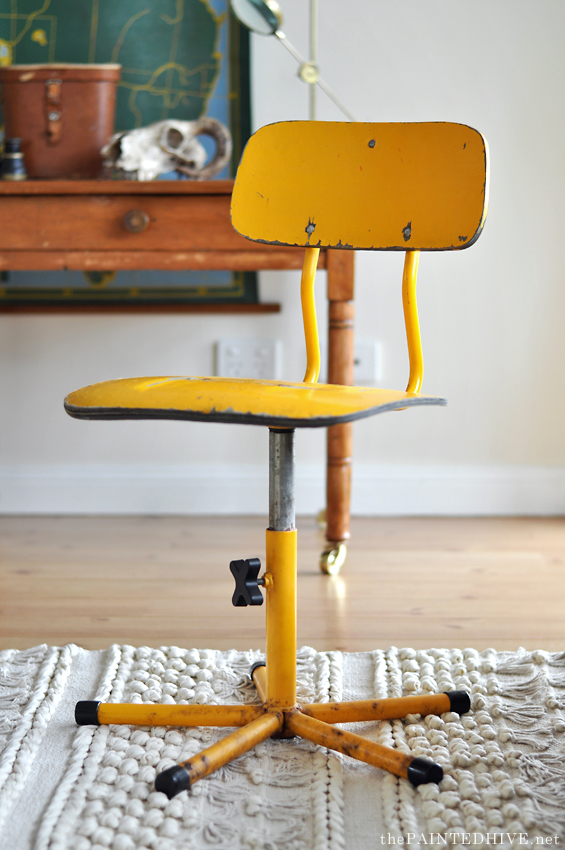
(181, 59)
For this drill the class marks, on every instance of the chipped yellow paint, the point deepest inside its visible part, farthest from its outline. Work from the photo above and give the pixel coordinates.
(236, 400)
(138, 714)
(419, 186)
(232, 746)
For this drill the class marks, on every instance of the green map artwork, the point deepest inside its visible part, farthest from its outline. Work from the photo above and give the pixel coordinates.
(180, 59)
(170, 50)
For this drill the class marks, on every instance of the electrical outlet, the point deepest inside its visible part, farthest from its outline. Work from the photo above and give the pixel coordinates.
(367, 361)
(249, 358)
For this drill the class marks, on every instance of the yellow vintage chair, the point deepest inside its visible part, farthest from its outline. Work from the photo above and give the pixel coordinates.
(395, 187)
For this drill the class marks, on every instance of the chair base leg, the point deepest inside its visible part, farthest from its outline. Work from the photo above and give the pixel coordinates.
(183, 776)
(311, 721)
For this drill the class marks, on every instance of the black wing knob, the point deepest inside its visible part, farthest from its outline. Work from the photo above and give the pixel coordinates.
(246, 574)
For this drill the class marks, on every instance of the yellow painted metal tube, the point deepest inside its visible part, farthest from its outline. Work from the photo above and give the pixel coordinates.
(309, 315)
(349, 744)
(177, 715)
(411, 321)
(281, 618)
(382, 709)
(233, 745)
(260, 682)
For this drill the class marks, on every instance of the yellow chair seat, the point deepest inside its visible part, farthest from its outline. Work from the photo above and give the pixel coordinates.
(249, 402)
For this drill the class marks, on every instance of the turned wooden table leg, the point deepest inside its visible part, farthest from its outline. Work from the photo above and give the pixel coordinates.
(339, 437)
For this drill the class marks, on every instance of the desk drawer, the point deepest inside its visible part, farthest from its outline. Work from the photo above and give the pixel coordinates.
(100, 222)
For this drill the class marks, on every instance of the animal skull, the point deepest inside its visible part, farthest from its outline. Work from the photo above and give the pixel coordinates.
(168, 145)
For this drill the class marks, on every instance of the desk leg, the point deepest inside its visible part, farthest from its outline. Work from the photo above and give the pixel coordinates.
(340, 266)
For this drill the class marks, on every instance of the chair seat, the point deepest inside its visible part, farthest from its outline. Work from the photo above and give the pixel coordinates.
(237, 400)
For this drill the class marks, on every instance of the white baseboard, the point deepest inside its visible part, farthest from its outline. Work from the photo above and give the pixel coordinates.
(378, 490)
(458, 491)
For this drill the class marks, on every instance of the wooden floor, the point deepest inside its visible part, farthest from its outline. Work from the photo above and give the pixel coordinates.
(158, 581)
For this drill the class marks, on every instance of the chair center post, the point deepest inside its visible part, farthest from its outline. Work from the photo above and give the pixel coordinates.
(281, 479)
(281, 569)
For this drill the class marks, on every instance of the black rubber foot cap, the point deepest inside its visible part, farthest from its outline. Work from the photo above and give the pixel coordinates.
(256, 666)
(421, 771)
(460, 701)
(173, 780)
(86, 713)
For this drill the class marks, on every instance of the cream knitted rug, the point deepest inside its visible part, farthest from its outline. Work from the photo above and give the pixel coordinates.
(69, 788)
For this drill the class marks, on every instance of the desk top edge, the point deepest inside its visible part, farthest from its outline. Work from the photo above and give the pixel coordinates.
(116, 187)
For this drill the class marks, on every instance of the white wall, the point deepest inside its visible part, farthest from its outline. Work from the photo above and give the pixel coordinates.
(491, 316)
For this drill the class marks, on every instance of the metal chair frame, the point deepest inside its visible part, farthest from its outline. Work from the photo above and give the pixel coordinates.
(271, 204)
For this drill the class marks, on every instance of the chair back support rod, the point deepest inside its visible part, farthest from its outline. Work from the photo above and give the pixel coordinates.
(412, 322)
(309, 315)
(281, 479)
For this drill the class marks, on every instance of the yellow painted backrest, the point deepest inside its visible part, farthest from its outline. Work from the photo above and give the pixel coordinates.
(421, 186)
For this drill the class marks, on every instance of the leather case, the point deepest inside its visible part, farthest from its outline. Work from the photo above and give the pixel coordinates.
(64, 115)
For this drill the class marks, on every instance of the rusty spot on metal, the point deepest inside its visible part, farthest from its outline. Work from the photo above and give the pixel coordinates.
(407, 231)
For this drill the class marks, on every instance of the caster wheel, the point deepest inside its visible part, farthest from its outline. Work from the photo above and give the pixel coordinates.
(333, 558)
(321, 519)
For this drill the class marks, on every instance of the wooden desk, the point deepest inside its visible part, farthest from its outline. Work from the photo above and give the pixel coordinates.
(82, 225)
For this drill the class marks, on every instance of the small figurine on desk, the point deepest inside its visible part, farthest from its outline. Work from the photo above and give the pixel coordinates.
(13, 167)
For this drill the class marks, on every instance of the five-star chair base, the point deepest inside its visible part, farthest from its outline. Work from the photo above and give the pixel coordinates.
(256, 723)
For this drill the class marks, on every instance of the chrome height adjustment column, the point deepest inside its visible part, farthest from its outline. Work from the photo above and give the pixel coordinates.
(281, 517)
(281, 479)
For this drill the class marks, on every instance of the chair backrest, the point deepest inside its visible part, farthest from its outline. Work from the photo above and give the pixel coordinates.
(420, 186)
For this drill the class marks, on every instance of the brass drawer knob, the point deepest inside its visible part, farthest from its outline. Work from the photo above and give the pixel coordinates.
(136, 221)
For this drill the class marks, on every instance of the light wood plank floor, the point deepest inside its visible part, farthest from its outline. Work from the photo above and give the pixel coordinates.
(157, 581)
